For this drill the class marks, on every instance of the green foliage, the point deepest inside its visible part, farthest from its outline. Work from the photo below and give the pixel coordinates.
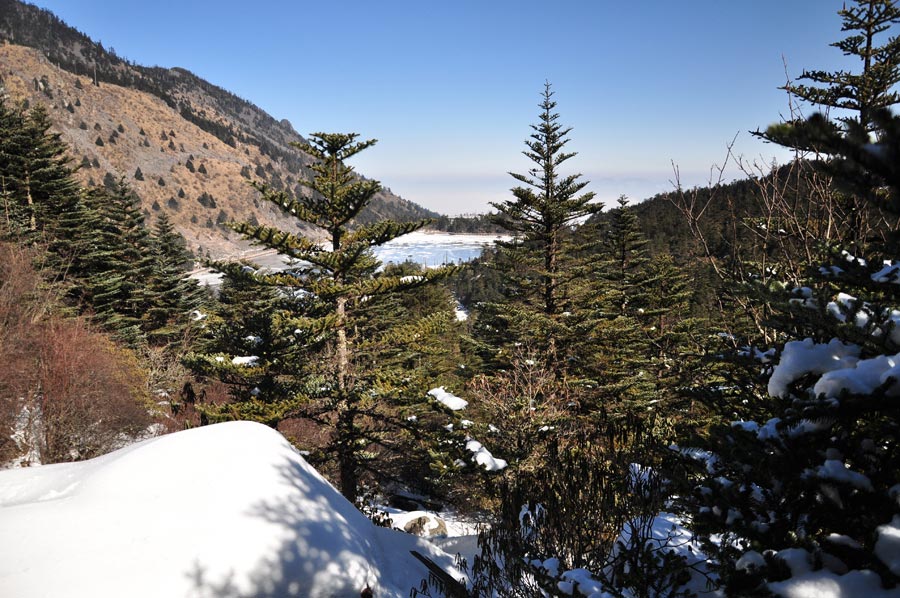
(340, 344)
(821, 467)
(171, 295)
(541, 263)
(871, 89)
(588, 506)
(35, 174)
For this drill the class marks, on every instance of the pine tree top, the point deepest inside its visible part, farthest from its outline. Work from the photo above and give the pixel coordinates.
(871, 89)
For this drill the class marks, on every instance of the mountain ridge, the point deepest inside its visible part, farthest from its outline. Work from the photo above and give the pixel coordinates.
(186, 145)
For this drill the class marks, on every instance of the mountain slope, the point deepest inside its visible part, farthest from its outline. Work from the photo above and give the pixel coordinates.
(196, 145)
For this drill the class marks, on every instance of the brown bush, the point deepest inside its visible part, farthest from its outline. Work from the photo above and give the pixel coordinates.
(66, 389)
(92, 398)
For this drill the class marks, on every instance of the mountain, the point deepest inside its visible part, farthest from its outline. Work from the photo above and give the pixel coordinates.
(187, 147)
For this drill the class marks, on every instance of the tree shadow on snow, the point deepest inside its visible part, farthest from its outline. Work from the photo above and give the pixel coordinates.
(327, 549)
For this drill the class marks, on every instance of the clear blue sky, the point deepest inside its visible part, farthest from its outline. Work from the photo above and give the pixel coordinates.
(449, 88)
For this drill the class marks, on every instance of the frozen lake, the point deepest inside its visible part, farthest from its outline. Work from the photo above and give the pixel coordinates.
(430, 249)
(434, 249)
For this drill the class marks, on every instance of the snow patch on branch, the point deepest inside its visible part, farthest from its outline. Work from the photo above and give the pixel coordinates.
(799, 358)
(447, 399)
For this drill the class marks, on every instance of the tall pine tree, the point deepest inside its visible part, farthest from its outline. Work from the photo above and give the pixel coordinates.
(820, 475)
(344, 380)
(538, 263)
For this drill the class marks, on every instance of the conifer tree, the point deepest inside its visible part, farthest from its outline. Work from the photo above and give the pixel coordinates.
(820, 475)
(36, 173)
(171, 295)
(860, 96)
(537, 262)
(871, 89)
(120, 262)
(615, 341)
(349, 388)
(243, 345)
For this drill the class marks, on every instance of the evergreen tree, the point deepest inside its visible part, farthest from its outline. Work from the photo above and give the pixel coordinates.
(622, 364)
(872, 88)
(171, 295)
(36, 173)
(344, 379)
(821, 474)
(119, 263)
(861, 96)
(537, 262)
(243, 345)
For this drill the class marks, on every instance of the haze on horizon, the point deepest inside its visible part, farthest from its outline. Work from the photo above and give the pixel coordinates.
(450, 90)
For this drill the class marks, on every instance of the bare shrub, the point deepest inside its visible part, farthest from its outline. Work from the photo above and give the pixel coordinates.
(91, 393)
(21, 305)
(524, 405)
(66, 391)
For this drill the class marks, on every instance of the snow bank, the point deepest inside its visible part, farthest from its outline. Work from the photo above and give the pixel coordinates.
(887, 547)
(807, 583)
(227, 510)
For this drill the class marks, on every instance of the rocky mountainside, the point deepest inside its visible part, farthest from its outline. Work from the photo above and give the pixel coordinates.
(187, 147)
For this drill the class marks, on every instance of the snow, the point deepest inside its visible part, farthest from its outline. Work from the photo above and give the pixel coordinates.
(799, 358)
(750, 560)
(584, 582)
(447, 399)
(843, 540)
(889, 273)
(249, 360)
(433, 249)
(430, 249)
(484, 457)
(862, 377)
(711, 460)
(844, 302)
(825, 584)
(460, 312)
(806, 583)
(226, 510)
(838, 471)
(887, 547)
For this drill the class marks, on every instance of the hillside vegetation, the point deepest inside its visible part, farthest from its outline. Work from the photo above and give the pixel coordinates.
(187, 147)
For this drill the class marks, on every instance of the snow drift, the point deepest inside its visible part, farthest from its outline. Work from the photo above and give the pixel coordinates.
(227, 510)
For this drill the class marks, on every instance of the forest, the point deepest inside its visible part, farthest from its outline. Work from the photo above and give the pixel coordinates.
(726, 354)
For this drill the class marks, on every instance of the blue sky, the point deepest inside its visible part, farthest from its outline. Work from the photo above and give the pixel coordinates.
(449, 88)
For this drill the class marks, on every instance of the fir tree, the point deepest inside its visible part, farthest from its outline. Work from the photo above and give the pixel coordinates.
(171, 295)
(873, 87)
(36, 173)
(615, 343)
(243, 345)
(350, 388)
(820, 475)
(119, 263)
(860, 96)
(537, 261)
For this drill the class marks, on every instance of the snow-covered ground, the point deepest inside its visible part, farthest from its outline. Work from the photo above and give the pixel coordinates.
(232, 510)
(226, 510)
